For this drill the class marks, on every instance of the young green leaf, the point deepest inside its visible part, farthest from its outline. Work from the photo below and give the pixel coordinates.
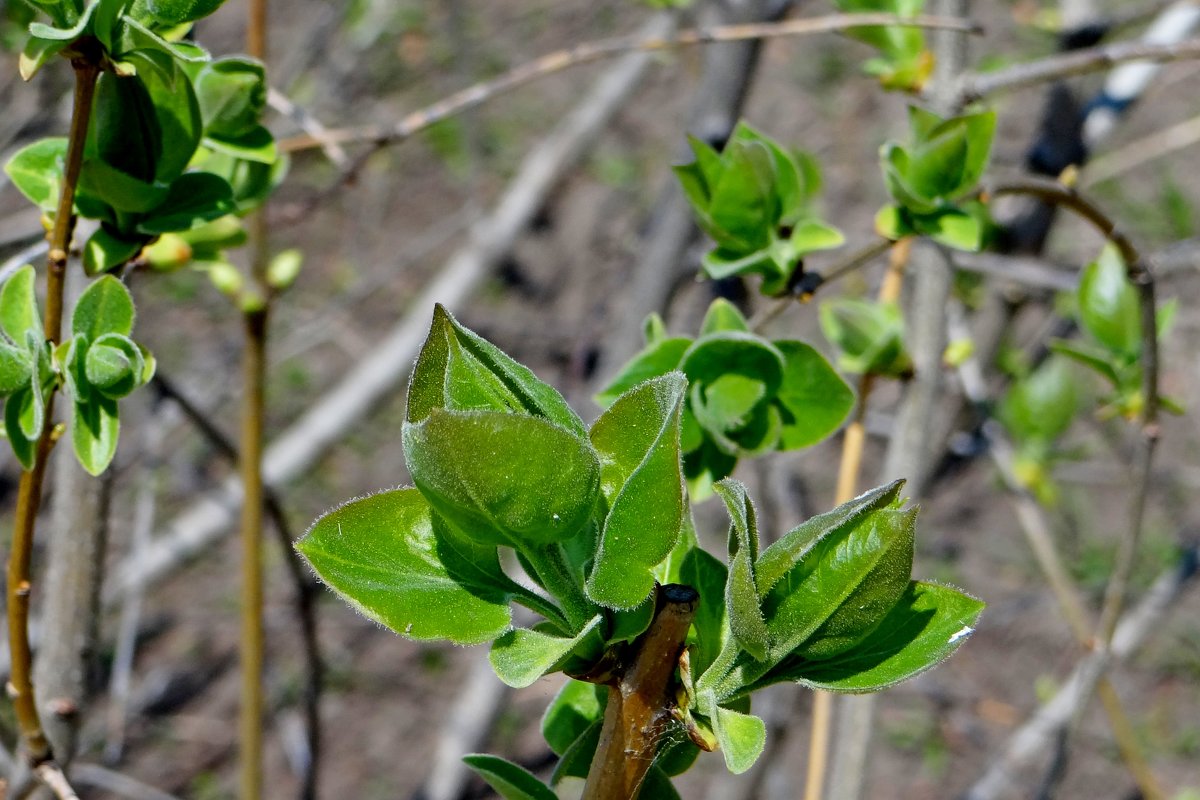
(106, 250)
(746, 621)
(742, 738)
(658, 358)
(24, 447)
(36, 170)
(124, 131)
(843, 588)
(1041, 406)
(386, 556)
(572, 711)
(637, 440)
(779, 558)
(456, 368)
(723, 316)
(16, 367)
(177, 12)
(18, 306)
(232, 93)
(813, 398)
(1108, 304)
(708, 576)
(521, 656)
(927, 624)
(193, 199)
(95, 428)
(503, 478)
(511, 781)
(104, 307)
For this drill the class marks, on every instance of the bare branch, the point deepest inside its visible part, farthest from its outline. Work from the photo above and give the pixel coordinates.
(976, 86)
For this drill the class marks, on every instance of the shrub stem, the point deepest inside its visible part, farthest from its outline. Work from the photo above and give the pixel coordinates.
(640, 699)
(29, 493)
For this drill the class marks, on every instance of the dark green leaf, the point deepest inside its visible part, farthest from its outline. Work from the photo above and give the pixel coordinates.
(503, 478)
(512, 782)
(637, 440)
(927, 624)
(459, 370)
(193, 199)
(36, 170)
(385, 555)
(176, 109)
(708, 576)
(814, 399)
(118, 189)
(576, 760)
(256, 144)
(572, 711)
(521, 656)
(657, 784)
(24, 448)
(124, 131)
(717, 355)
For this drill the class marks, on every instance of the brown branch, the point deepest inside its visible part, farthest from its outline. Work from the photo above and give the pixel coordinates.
(640, 700)
(29, 497)
(974, 86)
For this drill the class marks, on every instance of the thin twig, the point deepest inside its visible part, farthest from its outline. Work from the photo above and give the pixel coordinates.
(311, 126)
(380, 137)
(29, 497)
(1140, 275)
(52, 777)
(1140, 151)
(1037, 531)
(116, 783)
(1081, 62)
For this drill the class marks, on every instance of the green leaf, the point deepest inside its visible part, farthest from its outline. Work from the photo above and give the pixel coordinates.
(16, 367)
(657, 785)
(814, 399)
(503, 478)
(521, 656)
(708, 576)
(923, 629)
(1098, 360)
(1108, 304)
(572, 711)
(38, 53)
(779, 558)
(637, 440)
(576, 760)
(717, 355)
(722, 316)
(512, 782)
(658, 358)
(1041, 406)
(18, 306)
(459, 370)
(94, 431)
(388, 559)
(124, 131)
(104, 307)
(41, 30)
(812, 235)
(175, 108)
(36, 170)
(843, 587)
(232, 93)
(193, 199)
(118, 189)
(177, 12)
(746, 621)
(741, 204)
(870, 336)
(742, 738)
(115, 365)
(15, 407)
(105, 251)
(954, 228)
(256, 145)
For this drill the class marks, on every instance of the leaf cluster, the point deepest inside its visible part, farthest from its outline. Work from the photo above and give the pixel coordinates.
(930, 176)
(747, 396)
(175, 140)
(755, 199)
(904, 62)
(596, 517)
(97, 366)
(869, 336)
